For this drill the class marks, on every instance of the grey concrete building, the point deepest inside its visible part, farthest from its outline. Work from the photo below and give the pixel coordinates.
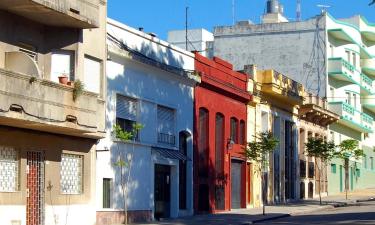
(52, 98)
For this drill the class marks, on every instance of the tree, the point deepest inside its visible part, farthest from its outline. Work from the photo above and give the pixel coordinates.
(348, 149)
(258, 151)
(371, 3)
(125, 163)
(319, 148)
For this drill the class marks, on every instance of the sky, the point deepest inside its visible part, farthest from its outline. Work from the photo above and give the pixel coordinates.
(161, 16)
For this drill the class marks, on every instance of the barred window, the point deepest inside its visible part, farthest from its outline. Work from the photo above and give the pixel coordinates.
(9, 169)
(166, 125)
(71, 174)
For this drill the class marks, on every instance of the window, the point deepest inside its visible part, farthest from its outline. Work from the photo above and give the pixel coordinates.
(333, 168)
(126, 113)
(203, 135)
(332, 50)
(219, 144)
(71, 173)
(107, 189)
(9, 169)
(348, 98)
(364, 161)
(347, 56)
(358, 172)
(332, 91)
(242, 135)
(332, 135)
(302, 167)
(92, 71)
(234, 129)
(372, 163)
(354, 100)
(62, 63)
(166, 123)
(311, 170)
(354, 56)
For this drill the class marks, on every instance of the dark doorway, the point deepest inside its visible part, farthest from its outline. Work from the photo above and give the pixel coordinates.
(311, 190)
(203, 198)
(162, 191)
(183, 136)
(236, 184)
(302, 190)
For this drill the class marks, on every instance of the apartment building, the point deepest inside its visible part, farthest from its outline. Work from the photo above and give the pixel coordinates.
(52, 97)
(332, 58)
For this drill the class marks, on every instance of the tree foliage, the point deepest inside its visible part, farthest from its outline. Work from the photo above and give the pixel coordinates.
(259, 149)
(349, 149)
(319, 148)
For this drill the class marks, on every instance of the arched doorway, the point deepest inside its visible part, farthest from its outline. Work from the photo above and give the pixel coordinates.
(311, 189)
(302, 190)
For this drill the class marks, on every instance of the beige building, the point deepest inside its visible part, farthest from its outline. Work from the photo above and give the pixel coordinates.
(314, 118)
(49, 123)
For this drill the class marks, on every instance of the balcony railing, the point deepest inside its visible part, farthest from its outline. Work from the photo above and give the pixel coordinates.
(351, 117)
(313, 99)
(366, 83)
(343, 70)
(166, 139)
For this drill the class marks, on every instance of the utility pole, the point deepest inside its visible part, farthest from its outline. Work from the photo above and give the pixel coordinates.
(186, 28)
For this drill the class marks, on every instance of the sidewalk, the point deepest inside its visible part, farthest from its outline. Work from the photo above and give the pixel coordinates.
(251, 216)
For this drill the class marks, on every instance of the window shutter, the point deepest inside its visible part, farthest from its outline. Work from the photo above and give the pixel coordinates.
(92, 75)
(166, 120)
(126, 108)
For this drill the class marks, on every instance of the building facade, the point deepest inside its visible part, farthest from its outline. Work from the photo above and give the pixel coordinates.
(221, 170)
(150, 82)
(276, 110)
(49, 127)
(332, 58)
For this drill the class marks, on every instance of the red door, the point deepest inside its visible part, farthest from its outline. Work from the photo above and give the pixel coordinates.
(35, 189)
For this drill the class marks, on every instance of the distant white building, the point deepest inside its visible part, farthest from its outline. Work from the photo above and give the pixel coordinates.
(149, 82)
(199, 40)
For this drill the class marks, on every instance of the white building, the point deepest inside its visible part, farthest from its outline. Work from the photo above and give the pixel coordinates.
(199, 40)
(149, 82)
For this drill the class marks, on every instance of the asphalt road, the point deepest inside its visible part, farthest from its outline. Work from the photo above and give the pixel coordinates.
(353, 215)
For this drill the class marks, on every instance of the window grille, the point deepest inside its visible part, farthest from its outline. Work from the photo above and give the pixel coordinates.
(9, 169)
(71, 174)
(166, 125)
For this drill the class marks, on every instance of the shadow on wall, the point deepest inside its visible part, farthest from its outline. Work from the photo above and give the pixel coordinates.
(136, 79)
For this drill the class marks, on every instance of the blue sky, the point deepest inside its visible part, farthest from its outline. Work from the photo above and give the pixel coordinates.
(160, 16)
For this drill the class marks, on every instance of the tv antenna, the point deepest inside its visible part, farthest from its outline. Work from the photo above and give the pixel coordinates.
(323, 8)
(233, 12)
(298, 16)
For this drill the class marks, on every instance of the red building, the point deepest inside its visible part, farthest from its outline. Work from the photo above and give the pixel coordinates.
(221, 173)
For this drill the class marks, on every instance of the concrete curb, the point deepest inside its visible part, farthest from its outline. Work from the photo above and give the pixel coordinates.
(366, 200)
(267, 219)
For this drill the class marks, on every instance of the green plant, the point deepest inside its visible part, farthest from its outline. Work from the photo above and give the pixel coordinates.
(32, 80)
(320, 149)
(348, 149)
(78, 88)
(258, 151)
(125, 163)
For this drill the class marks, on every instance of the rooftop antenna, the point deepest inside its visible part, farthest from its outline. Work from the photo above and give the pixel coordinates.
(233, 12)
(186, 27)
(323, 8)
(298, 16)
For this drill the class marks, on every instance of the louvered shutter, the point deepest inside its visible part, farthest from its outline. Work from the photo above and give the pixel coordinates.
(166, 120)
(126, 108)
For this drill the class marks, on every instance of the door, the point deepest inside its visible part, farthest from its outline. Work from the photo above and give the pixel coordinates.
(236, 184)
(162, 191)
(35, 189)
(351, 178)
(341, 181)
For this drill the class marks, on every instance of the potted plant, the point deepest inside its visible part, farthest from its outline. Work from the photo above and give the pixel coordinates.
(78, 89)
(63, 79)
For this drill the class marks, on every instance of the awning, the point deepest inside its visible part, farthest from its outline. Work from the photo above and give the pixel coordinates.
(170, 153)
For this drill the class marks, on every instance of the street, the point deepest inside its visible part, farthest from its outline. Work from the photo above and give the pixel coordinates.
(362, 214)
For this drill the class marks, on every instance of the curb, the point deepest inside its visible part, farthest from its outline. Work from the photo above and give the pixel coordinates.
(267, 219)
(366, 200)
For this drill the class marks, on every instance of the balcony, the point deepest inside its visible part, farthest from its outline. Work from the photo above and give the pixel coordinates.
(281, 87)
(340, 69)
(368, 67)
(352, 118)
(314, 109)
(33, 103)
(368, 102)
(63, 13)
(366, 84)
